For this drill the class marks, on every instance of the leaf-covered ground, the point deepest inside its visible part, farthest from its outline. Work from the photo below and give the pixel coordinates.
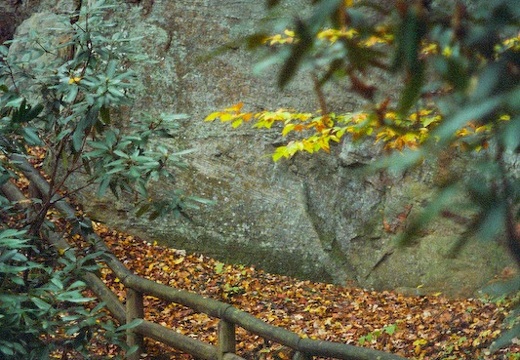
(426, 327)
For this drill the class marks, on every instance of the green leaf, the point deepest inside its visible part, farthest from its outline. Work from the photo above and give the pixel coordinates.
(491, 222)
(503, 288)
(131, 350)
(511, 135)
(134, 172)
(86, 166)
(412, 89)
(41, 304)
(17, 280)
(73, 297)
(56, 282)
(132, 324)
(472, 111)
(103, 185)
(31, 136)
(505, 339)
(202, 200)
(6, 350)
(4, 50)
(104, 112)
(15, 103)
(71, 95)
(408, 37)
(121, 154)
(488, 81)
(142, 210)
(456, 74)
(115, 92)
(77, 139)
(11, 234)
(83, 128)
(219, 268)
(33, 112)
(390, 329)
(322, 13)
(298, 52)
(8, 255)
(184, 152)
(174, 117)
(111, 68)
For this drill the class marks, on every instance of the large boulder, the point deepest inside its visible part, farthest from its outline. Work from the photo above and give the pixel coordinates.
(319, 217)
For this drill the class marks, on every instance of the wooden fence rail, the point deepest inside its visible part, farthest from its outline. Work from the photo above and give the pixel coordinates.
(136, 287)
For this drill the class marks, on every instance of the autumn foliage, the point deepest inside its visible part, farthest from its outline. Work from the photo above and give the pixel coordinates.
(416, 327)
(384, 122)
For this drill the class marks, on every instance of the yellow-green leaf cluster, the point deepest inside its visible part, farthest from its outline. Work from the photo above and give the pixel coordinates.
(288, 37)
(231, 114)
(314, 132)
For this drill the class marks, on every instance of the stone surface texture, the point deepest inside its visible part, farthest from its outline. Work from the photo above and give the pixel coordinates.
(319, 217)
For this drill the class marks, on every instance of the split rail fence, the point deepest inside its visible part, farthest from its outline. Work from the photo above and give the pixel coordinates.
(230, 317)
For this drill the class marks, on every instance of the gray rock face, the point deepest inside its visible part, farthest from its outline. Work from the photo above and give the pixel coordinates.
(318, 217)
(12, 13)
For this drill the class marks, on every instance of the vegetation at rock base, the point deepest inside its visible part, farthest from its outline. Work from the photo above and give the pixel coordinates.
(460, 80)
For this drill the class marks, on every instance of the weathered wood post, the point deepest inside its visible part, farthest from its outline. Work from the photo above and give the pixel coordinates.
(226, 338)
(301, 356)
(134, 310)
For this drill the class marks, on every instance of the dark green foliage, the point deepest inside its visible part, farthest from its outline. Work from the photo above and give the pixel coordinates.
(66, 89)
(38, 300)
(472, 78)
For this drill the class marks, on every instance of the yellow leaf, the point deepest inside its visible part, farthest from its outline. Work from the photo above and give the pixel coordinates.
(279, 153)
(481, 129)
(431, 48)
(288, 128)
(236, 123)
(74, 80)
(274, 39)
(117, 280)
(418, 345)
(235, 108)
(213, 116)
(289, 33)
(226, 117)
(179, 260)
(463, 132)
(323, 144)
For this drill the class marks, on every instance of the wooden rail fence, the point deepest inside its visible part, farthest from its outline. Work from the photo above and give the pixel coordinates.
(229, 316)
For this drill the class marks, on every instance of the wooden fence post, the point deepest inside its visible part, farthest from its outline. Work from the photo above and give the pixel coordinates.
(226, 338)
(301, 356)
(134, 310)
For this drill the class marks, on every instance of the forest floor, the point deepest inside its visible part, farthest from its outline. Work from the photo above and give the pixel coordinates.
(423, 327)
